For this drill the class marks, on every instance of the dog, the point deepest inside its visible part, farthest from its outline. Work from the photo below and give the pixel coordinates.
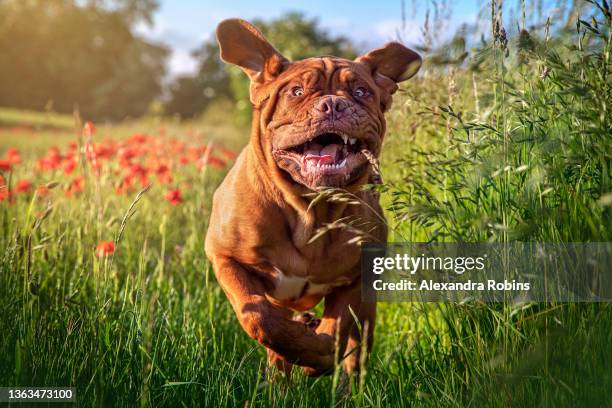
(315, 122)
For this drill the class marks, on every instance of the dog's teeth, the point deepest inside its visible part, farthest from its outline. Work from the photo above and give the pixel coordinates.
(343, 163)
(345, 138)
(352, 140)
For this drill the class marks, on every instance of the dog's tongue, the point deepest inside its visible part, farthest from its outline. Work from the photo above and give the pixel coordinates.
(325, 159)
(323, 155)
(330, 150)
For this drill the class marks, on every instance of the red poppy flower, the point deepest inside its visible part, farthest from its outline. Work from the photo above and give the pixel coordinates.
(125, 186)
(76, 186)
(138, 171)
(4, 193)
(138, 138)
(69, 166)
(89, 129)
(177, 147)
(194, 153)
(165, 178)
(23, 186)
(51, 161)
(229, 154)
(5, 165)
(13, 155)
(42, 191)
(105, 248)
(174, 197)
(126, 154)
(216, 162)
(211, 160)
(163, 173)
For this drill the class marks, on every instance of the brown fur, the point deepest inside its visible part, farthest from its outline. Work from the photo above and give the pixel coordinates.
(261, 223)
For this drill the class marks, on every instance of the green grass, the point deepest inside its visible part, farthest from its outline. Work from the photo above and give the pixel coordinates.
(518, 156)
(35, 120)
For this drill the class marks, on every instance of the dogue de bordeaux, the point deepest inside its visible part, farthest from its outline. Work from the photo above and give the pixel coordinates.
(315, 122)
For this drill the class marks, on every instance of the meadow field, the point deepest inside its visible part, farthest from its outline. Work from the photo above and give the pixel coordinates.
(105, 286)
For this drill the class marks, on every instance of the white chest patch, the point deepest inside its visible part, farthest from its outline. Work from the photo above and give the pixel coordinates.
(293, 287)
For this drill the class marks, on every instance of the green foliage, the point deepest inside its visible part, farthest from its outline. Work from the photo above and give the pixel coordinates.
(60, 54)
(298, 37)
(522, 155)
(191, 95)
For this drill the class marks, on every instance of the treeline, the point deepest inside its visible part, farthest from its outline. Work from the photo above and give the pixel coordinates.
(62, 54)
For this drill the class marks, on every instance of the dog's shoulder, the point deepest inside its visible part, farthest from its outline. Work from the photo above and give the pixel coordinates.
(242, 212)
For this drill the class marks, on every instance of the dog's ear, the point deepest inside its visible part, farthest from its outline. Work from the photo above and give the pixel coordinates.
(391, 64)
(242, 44)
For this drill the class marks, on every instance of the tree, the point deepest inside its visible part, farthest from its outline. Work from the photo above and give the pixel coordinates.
(191, 94)
(65, 53)
(131, 11)
(298, 37)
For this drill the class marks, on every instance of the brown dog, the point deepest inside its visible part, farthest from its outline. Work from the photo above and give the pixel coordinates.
(314, 123)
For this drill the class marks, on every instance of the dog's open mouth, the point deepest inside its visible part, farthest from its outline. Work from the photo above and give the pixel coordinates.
(330, 158)
(327, 153)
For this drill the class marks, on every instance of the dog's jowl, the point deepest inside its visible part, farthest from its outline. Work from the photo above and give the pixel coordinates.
(316, 123)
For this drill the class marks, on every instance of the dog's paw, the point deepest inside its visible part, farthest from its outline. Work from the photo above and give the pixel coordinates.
(308, 319)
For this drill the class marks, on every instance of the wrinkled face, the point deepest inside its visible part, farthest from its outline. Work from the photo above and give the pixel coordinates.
(328, 110)
(317, 116)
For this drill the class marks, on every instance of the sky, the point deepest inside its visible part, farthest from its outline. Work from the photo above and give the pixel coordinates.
(183, 25)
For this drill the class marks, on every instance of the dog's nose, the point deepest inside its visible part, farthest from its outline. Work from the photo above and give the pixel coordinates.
(331, 104)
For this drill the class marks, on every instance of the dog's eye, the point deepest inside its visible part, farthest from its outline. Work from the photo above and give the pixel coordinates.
(361, 92)
(297, 91)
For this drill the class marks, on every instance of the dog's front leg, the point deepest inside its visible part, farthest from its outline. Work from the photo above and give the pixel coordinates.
(275, 359)
(267, 323)
(339, 322)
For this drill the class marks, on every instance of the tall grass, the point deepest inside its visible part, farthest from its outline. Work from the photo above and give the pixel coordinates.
(512, 143)
(532, 164)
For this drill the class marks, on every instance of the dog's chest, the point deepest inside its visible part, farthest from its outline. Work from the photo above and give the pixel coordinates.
(292, 287)
(316, 272)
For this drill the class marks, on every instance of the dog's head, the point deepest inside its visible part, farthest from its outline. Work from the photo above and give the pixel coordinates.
(317, 115)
